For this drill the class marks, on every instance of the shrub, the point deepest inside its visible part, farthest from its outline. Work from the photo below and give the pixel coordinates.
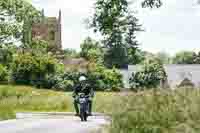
(32, 69)
(6, 54)
(3, 73)
(99, 77)
(102, 78)
(91, 50)
(62, 81)
(150, 75)
(65, 85)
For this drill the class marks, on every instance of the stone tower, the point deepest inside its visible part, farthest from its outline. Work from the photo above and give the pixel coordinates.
(50, 30)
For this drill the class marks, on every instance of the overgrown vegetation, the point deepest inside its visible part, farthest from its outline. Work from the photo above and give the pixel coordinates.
(99, 77)
(92, 51)
(103, 79)
(151, 74)
(23, 98)
(32, 69)
(158, 111)
(32, 63)
(153, 111)
(13, 14)
(3, 73)
(118, 25)
(186, 57)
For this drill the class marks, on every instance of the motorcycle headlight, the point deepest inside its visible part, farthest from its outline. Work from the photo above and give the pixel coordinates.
(82, 100)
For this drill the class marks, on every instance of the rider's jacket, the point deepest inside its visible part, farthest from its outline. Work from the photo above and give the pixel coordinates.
(83, 87)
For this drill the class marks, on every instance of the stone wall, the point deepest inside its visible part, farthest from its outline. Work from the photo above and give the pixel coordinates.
(49, 29)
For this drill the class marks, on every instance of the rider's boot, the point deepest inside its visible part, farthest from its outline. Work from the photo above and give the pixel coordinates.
(76, 108)
(90, 108)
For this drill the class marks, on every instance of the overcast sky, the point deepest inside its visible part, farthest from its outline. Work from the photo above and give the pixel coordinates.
(173, 27)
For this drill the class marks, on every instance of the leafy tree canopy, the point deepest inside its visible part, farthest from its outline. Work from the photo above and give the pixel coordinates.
(27, 68)
(163, 57)
(70, 53)
(92, 50)
(6, 54)
(150, 75)
(184, 57)
(118, 25)
(152, 3)
(14, 17)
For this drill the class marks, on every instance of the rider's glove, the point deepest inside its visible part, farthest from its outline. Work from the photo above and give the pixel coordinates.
(90, 98)
(76, 98)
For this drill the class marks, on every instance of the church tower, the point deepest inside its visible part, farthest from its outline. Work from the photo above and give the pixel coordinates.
(60, 30)
(50, 30)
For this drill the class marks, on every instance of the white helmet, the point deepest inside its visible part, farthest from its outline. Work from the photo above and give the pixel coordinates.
(82, 78)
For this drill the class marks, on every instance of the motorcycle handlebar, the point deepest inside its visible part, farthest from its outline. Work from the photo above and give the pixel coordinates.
(87, 96)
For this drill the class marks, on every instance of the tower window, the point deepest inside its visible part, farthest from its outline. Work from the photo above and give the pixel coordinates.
(52, 35)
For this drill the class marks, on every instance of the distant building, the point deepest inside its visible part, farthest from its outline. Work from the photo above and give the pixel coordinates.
(177, 75)
(76, 64)
(49, 29)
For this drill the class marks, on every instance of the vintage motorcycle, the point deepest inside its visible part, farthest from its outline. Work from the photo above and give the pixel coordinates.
(84, 106)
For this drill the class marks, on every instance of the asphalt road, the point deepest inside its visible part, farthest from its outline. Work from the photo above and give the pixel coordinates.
(68, 124)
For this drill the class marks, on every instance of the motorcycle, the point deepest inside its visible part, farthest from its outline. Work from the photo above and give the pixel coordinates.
(84, 106)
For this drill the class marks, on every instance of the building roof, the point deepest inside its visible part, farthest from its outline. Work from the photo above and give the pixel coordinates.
(75, 63)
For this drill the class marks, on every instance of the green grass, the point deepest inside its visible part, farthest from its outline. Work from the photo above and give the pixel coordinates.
(158, 111)
(23, 98)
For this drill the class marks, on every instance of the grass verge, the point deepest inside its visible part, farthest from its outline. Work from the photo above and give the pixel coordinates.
(158, 111)
(23, 98)
(155, 111)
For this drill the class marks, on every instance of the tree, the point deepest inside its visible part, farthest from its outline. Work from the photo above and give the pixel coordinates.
(164, 57)
(152, 3)
(197, 58)
(6, 54)
(116, 57)
(70, 53)
(184, 57)
(34, 65)
(92, 50)
(38, 47)
(150, 76)
(118, 26)
(135, 57)
(27, 68)
(16, 17)
(3, 73)
(95, 55)
(102, 78)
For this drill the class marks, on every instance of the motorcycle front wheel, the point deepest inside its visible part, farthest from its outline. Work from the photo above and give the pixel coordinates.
(83, 114)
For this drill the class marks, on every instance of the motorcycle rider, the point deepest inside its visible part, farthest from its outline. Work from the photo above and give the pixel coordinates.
(83, 87)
